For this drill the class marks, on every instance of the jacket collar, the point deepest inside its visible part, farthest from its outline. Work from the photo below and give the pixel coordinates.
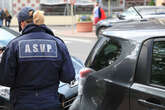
(36, 28)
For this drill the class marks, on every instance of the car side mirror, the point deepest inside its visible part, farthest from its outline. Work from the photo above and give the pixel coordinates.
(120, 16)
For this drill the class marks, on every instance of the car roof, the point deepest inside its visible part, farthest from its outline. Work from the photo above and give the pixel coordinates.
(145, 7)
(138, 30)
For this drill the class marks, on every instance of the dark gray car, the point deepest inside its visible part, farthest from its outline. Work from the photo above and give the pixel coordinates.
(131, 14)
(129, 60)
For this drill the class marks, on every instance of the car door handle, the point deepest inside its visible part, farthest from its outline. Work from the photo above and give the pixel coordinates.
(150, 104)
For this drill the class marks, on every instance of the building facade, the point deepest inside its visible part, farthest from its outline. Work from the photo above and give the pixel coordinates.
(18, 4)
(6, 4)
(159, 2)
(129, 3)
(14, 6)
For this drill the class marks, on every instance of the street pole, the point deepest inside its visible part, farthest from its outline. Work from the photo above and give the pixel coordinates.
(72, 17)
(145, 2)
(72, 3)
(109, 7)
(123, 4)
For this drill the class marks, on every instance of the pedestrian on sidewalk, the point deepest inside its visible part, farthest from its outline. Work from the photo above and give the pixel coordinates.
(1, 17)
(33, 64)
(98, 12)
(8, 18)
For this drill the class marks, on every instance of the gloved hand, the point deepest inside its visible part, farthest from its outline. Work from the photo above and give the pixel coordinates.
(1, 52)
(0, 56)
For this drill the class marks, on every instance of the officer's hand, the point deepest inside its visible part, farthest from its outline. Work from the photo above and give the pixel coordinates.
(74, 83)
(0, 56)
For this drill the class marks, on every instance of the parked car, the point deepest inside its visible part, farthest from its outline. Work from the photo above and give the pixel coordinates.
(130, 15)
(129, 64)
(67, 92)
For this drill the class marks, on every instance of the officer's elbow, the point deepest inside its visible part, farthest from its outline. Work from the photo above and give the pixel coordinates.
(68, 78)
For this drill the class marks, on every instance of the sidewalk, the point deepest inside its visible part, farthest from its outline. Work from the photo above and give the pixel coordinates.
(62, 26)
(69, 31)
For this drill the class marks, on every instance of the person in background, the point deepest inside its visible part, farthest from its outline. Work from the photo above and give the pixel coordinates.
(1, 17)
(99, 13)
(163, 3)
(38, 17)
(8, 18)
(34, 63)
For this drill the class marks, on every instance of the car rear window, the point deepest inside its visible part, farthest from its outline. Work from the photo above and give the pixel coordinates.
(106, 54)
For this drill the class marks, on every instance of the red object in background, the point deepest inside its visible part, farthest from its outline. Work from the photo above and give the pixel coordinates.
(85, 71)
(103, 16)
(96, 20)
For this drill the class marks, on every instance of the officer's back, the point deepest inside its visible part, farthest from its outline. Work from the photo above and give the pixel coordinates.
(33, 64)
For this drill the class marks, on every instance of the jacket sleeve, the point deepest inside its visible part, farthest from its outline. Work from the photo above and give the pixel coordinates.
(8, 67)
(67, 73)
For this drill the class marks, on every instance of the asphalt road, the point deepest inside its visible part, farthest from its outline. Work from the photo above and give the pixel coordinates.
(78, 46)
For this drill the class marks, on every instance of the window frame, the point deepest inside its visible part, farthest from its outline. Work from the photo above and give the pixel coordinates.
(98, 48)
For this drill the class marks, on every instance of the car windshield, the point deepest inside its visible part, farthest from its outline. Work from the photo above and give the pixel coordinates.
(143, 11)
(130, 12)
(5, 37)
(106, 52)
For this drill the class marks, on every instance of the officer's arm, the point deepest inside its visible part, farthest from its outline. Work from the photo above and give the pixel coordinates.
(67, 73)
(7, 68)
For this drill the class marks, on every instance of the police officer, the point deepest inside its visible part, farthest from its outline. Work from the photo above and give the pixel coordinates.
(33, 64)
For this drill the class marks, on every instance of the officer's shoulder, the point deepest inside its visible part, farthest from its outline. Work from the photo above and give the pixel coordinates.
(60, 42)
(59, 39)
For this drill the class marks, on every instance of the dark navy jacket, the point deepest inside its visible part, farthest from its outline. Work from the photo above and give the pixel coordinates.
(33, 64)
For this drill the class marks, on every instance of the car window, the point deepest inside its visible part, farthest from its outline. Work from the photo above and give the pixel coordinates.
(158, 63)
(130, 12)
(106, 55)
(5, 37)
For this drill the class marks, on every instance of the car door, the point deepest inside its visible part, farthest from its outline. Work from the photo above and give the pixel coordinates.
(148, 90)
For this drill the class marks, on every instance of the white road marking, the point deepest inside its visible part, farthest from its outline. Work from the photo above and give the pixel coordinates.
(69, 40)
